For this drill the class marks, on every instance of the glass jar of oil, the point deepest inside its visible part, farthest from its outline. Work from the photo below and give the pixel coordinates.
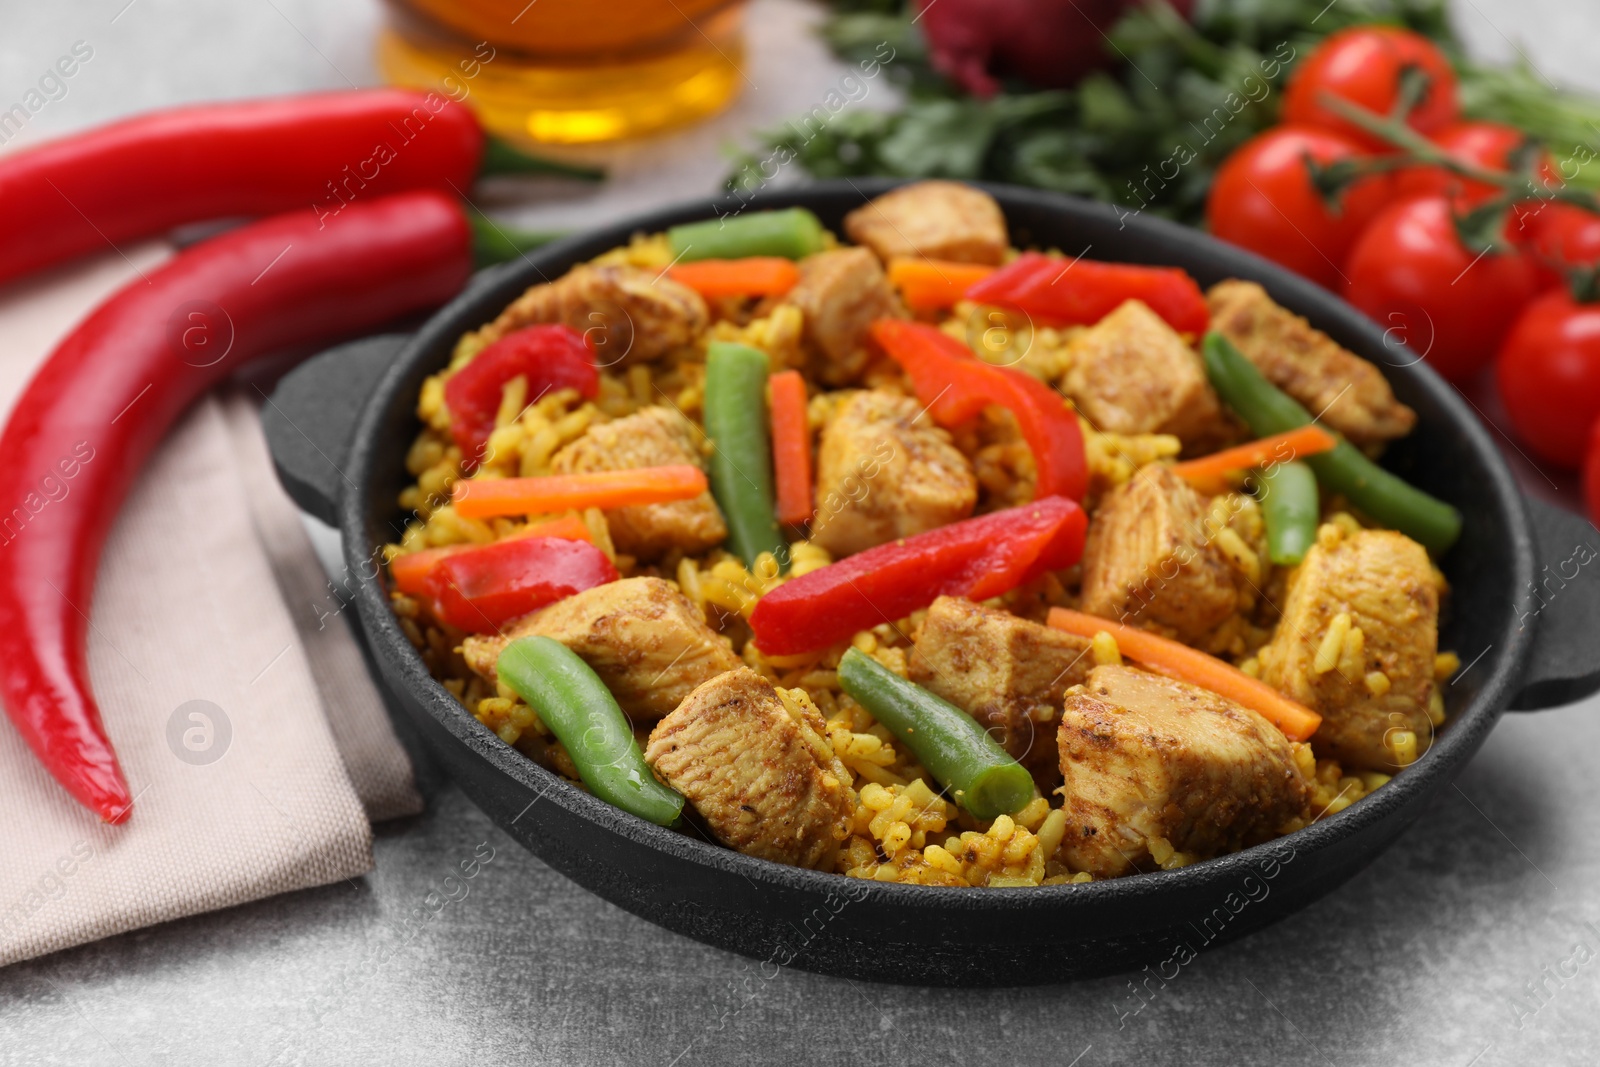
(570, 71)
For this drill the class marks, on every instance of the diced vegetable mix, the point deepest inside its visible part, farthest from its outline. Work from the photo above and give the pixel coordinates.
(575, 623)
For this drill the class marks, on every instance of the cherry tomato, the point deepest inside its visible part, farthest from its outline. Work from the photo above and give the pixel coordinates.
(1262, 199)
(1591, 476)
(1486, 144)
(1562, 234)
(1549, 376)
(1363, 65)
(1411, 274)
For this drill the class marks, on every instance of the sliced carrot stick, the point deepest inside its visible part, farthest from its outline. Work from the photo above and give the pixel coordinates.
(409, 572)
(934, 284)
(486, 498)
(752, 276)
(568, 527)
(1279, 448)
(1165, 656)
(791, 446)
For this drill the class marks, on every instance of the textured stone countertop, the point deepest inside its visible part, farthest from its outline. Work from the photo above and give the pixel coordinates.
(1430, 956)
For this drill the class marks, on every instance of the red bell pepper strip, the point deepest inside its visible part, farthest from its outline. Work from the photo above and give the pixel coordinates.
(1081, 292)
(550, 357)
(975, 558)
(409, 572)
(319, 153)
(481, 588)
(104, 398)
(955, 385)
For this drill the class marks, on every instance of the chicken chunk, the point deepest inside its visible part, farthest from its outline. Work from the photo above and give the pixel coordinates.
(1006, 672)
(629, 315)
(754, 763)
(1357, 641)
(885, 471)
(653, 437)
(1131, 373)
(1151, 558)
(839, 294)
(1154, 767)
(643, 637)
(934, 220)
(1351, 394)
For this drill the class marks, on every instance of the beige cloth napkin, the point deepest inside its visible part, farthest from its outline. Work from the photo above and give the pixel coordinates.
(249, 731)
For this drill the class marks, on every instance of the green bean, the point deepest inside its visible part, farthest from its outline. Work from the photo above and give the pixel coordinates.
(575, 704)
(1292, 510)
(792, 233)
(741, 462)
(1381, 496)
(950, 743)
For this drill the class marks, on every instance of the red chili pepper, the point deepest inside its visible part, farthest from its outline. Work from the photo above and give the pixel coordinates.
(106, 395)
(954, 384)
(321, 152)
(1081, 292)
(481, 588)
(975, 558)
(550, 357)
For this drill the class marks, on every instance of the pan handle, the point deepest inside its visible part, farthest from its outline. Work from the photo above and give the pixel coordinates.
(310, 419)
(1565, 664)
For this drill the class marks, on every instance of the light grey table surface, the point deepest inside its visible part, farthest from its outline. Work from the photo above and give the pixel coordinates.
(1472, 942)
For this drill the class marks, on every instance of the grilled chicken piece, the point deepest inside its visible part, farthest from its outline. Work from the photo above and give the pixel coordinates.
(1131, 373)
(1153, 765)
(840, 293)
(756, 766)
(1150, 558)
(933, 220)
(1006, 672)
(630, 315)
(1376, 592)
(653, 437)
(885, 471)
(643, 637)
(1351, 394)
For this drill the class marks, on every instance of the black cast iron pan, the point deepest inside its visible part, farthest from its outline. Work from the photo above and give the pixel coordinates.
(339, 428)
